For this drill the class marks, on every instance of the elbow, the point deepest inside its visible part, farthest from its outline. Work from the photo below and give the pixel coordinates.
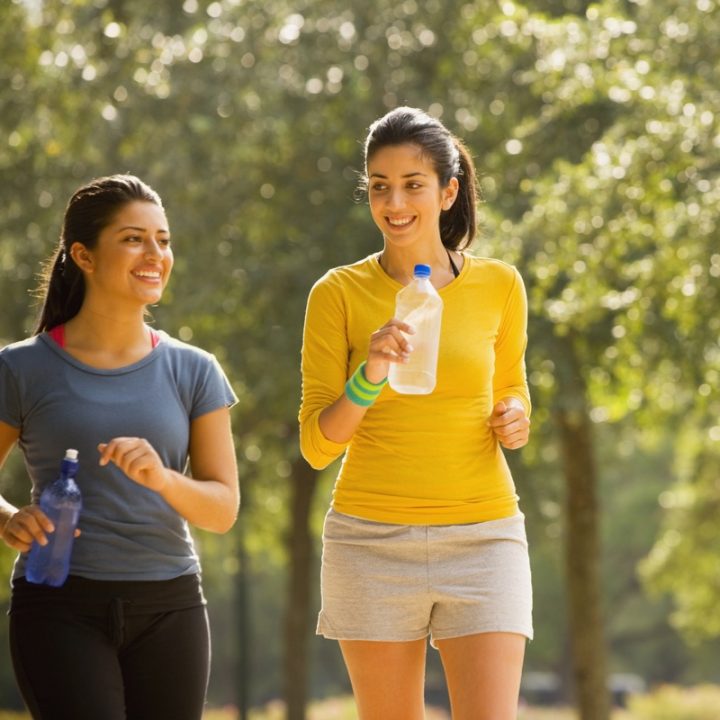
(317, 450)
(318, 463)
(227, 519)
(225, 527)
(221, 523)
(314, 458)
(224, 520)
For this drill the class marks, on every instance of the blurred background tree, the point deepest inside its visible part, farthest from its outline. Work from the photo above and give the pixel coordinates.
(595, 130)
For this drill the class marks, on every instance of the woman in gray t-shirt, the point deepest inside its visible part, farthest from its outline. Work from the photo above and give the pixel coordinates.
(126, 635)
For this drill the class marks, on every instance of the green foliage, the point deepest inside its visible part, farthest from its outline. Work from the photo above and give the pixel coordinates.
(684, 560)
(676, 703)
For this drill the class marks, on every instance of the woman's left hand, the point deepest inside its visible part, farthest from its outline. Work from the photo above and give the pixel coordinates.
(138, 459)
(510, 423)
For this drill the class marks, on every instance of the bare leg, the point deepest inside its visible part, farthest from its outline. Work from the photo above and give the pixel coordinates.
(388, 678)
(483, 675)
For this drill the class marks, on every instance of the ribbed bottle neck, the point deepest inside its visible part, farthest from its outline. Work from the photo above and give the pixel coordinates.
(69, 468)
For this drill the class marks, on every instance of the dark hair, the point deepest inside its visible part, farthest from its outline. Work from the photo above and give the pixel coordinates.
(450, 158)
(90, 210)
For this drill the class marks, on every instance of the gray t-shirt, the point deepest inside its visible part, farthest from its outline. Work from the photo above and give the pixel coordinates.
(128, 532)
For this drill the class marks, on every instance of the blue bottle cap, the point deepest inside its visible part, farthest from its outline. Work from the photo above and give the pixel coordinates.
(422, 271)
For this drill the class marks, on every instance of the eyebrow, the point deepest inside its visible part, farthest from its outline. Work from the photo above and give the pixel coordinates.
(140, 229)
(408, 175)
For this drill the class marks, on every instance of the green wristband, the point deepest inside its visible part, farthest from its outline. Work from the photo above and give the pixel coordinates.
(360, 390)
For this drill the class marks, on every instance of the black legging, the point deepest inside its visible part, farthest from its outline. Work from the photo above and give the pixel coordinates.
(95, 650)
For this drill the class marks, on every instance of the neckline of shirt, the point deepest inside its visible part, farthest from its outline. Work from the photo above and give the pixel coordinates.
(122, 370)
(449, 288)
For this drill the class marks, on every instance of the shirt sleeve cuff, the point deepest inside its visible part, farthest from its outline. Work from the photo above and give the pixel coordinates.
(318, 450)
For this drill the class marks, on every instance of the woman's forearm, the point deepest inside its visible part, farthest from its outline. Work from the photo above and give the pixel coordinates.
(339, 421)
(207, 504)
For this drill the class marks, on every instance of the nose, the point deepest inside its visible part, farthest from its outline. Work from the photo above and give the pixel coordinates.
(152, 247)
(395, 199)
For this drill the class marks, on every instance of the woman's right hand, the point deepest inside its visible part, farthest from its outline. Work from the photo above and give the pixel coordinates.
(387, 345)
(25, 525)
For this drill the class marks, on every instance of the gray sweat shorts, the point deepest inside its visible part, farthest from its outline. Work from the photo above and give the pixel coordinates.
(398, 583)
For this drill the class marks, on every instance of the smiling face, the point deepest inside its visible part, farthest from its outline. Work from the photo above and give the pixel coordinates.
(132, 259)
(405, 195)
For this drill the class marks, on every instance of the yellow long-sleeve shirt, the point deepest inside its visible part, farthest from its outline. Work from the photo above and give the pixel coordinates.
(418, 459)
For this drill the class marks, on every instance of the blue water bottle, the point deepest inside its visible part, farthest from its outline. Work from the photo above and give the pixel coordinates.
(61, 502)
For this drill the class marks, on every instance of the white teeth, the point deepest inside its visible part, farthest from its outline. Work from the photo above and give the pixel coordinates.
(400, 221)
(148, 274)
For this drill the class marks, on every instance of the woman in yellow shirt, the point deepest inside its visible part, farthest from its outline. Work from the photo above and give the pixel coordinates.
(424, 536)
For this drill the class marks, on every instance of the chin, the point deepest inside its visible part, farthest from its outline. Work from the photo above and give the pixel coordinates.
(152, 299)
(400, 242)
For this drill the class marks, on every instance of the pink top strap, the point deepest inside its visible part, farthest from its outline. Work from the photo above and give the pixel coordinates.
(58, 335)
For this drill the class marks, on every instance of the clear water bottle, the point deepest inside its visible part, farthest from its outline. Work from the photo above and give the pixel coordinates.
(418, 304)
(61, 502)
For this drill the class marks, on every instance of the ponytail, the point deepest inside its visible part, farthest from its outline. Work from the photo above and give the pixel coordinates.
(62, 288)
(458, 224)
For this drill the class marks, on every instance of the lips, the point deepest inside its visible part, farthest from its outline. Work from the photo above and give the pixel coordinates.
(400, 221)
(147, 274)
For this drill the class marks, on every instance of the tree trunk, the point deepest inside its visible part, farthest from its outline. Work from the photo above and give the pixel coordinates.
(582, 546)
(300, 552)
(241, 609)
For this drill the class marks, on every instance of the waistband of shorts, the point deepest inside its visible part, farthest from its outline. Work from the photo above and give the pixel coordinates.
(517, 515)
(138, 597)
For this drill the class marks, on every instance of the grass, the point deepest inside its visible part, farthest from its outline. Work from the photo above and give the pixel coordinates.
(339, 708)
(554, 713)
(343, 708)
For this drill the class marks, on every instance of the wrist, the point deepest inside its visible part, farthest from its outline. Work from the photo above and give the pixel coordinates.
(165, 483)
(362, 391)
(6, 514)
(373, 374)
